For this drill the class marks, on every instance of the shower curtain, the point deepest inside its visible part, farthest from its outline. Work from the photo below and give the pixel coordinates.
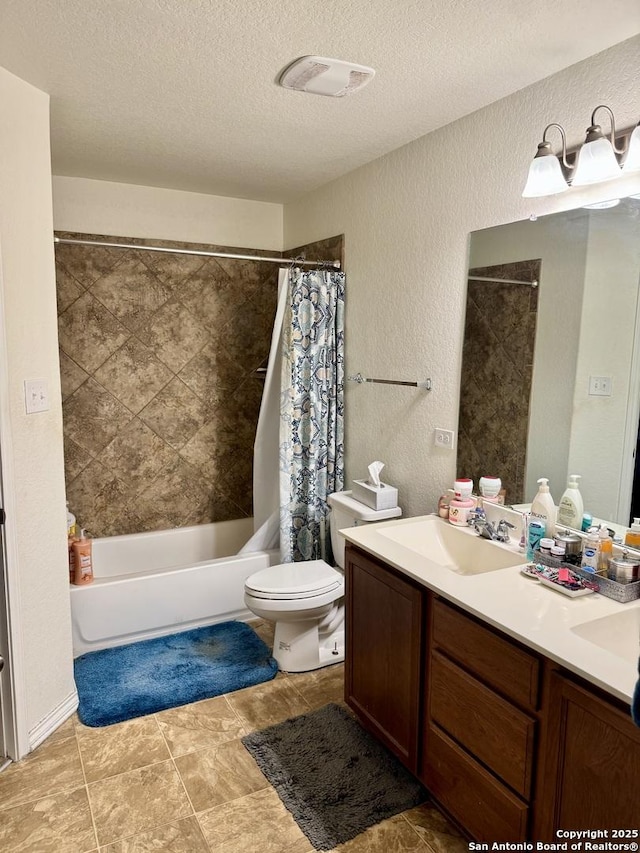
(299, 447)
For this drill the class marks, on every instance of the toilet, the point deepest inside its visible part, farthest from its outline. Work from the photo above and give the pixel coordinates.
(306, 600)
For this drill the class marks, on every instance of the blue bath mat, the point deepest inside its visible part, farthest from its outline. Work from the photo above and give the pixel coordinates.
(141, 678)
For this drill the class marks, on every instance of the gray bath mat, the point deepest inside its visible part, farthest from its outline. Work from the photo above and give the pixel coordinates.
(335, 779)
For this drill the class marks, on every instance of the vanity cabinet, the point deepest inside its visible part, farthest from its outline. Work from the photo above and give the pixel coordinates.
(480, 725)
(385, 621)
(591, 775)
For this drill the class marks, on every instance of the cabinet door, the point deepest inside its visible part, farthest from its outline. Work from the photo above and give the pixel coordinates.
(384, 639)
(592, 776)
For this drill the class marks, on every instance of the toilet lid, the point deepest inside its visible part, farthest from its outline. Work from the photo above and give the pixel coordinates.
(294, 580)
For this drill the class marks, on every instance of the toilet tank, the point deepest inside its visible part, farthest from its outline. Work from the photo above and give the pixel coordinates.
(346, 511)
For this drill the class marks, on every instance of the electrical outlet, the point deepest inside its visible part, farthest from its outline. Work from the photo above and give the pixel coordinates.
(444, 438)
(36, 395)
(599, 386)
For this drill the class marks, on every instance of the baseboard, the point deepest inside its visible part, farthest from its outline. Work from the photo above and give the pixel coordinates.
(53, 720)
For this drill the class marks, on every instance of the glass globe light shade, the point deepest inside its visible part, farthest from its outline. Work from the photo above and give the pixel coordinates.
(545, 177)
(596, 162)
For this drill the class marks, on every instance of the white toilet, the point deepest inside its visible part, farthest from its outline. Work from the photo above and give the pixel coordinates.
(306, 600)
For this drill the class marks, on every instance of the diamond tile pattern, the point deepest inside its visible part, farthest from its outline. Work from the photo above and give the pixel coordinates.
(498, 354)
(157, 355)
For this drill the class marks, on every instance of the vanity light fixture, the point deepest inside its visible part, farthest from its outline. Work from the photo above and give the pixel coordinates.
(599, 159)
(546, 176)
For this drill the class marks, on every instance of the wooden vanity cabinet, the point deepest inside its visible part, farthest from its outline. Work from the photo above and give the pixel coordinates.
(590, 762)
(512, 746)
(385, 622)
(480, 728)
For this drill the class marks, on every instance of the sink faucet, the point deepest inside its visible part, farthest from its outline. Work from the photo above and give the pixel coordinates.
(487, 530)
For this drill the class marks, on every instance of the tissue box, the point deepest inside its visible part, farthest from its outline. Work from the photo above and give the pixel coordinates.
(377, 497)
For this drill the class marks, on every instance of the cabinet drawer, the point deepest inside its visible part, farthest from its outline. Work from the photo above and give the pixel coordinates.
(486, 809)
(493, 658)
(490, 727)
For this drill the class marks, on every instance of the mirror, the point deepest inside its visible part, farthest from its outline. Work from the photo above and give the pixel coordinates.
(551, 373)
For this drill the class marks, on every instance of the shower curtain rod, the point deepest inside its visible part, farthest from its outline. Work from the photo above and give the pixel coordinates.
(533, 283)
(201, 252)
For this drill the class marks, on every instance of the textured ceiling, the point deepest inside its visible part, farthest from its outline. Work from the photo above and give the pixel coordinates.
(182, 94)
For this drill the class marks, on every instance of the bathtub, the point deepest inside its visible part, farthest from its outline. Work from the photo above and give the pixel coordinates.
(150, 584)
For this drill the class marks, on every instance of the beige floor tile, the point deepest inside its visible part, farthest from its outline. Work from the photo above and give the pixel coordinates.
(434, 828)
(258, 823)
(57, 824)
(267, 704)
(137, 801)
(321, 685)
(182, 836)
(394, 835)
(264, 629)
(51, 768)
(66, 730)
(215, 776)
(200, 725)
(110, 750)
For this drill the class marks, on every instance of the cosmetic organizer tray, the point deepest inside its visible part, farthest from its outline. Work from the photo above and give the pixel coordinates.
(621, 592)
(570, 593)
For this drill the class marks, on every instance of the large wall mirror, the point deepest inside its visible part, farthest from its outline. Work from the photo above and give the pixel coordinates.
(551, 357)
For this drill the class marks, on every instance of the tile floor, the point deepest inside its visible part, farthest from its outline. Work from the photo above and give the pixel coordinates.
(180, 781)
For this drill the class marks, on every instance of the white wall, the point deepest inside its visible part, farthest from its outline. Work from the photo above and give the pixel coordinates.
(32, 461)
(608, 331)
(103, 207)
(406, 219)
(563, 250)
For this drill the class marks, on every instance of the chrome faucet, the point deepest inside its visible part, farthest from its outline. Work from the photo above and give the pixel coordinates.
(487, 530)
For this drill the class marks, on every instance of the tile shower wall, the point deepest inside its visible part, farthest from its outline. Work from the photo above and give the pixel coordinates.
(158, 354)
(497, 366)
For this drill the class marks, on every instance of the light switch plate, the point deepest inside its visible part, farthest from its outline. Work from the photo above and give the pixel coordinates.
(36, 395)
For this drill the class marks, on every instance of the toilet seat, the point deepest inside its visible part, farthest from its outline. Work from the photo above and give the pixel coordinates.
(294, 581)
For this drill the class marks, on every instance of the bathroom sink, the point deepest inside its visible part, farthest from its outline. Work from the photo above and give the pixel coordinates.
(618, 633)
(458, 550)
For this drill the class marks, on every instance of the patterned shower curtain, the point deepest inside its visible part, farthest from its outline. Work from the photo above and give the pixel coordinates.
(311, 412)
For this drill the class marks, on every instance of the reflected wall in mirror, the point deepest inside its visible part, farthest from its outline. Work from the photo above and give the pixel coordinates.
(499, 337)
(585, 328)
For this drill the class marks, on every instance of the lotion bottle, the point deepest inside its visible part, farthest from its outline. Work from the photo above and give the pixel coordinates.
(571, 508)
(83, 569)
(632, 537)
(543, 508)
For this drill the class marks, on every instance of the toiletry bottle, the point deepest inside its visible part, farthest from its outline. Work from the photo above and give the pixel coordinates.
(535, 533)
(72, 558)
(71, 522)
(443, 506)
(632, 537)
(571, 508)
(590, 551)
(459, 510)
(543, 508)
(587, 522)
(490, 489)
(83, 560)
(606, 550)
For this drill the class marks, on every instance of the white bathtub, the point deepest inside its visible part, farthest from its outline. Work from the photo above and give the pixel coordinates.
(150, 584)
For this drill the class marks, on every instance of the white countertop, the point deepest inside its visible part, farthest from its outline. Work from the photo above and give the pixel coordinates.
(537, 616)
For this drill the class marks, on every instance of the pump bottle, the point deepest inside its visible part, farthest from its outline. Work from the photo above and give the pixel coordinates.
(543, 508)
(571, 508)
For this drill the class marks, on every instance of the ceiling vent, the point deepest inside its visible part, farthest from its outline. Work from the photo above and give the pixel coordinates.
(321, 76)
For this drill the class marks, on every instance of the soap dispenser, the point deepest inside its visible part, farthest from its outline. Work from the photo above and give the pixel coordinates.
(543, 508)
(632, 538)
(571, 508)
